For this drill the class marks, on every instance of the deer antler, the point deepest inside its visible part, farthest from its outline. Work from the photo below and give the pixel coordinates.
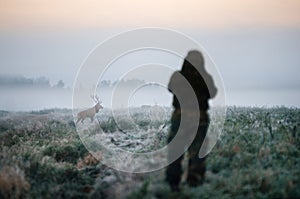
(96, 98)
(93, 98)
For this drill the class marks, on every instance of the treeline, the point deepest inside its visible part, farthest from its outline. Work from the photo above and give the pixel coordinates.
(129, 82)
(21, 81)
(43, 82)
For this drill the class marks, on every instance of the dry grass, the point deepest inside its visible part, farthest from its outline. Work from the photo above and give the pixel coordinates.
(13, 183)
(41, 156)
(88, 160)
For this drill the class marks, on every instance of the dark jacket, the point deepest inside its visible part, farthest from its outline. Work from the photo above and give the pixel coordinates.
(202, 85)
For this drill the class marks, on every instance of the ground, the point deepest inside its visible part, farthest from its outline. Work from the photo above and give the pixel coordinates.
(42, 156)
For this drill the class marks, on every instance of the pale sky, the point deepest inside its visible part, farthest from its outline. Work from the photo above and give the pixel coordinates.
(254, 43)
(171, 13)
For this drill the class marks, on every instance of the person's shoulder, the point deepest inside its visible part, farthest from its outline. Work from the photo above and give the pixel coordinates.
(176, 74)
(175, 78)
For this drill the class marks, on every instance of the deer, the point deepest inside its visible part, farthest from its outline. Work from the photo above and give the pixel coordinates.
(91, 112)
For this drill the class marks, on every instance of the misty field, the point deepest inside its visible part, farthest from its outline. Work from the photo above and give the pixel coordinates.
(42, 156)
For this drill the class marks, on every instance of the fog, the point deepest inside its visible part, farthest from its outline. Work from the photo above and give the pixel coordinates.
(27, 99)
(252, 57)
(259, 66)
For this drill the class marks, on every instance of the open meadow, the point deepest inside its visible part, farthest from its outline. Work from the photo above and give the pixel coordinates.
(42, 156)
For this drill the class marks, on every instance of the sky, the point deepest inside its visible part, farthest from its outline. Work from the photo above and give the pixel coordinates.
(176, 13)
(255, 44)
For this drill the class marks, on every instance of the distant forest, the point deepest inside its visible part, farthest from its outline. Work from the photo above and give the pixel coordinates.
(43, 82)
(21, 81)
(129, 82)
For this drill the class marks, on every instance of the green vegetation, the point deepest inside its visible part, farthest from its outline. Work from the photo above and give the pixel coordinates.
(41, 156)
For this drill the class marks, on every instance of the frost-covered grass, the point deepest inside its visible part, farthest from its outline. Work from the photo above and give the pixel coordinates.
(41, 155)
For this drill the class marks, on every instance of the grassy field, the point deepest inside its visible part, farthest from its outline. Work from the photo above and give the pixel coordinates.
(41, 156)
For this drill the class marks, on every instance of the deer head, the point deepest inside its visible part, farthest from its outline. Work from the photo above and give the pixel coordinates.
(98, 103)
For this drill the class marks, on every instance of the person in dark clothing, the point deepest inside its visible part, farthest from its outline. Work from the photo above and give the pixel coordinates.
(204, 89)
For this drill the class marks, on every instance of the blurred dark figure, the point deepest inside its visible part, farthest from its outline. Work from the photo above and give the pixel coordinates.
(201, 82)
